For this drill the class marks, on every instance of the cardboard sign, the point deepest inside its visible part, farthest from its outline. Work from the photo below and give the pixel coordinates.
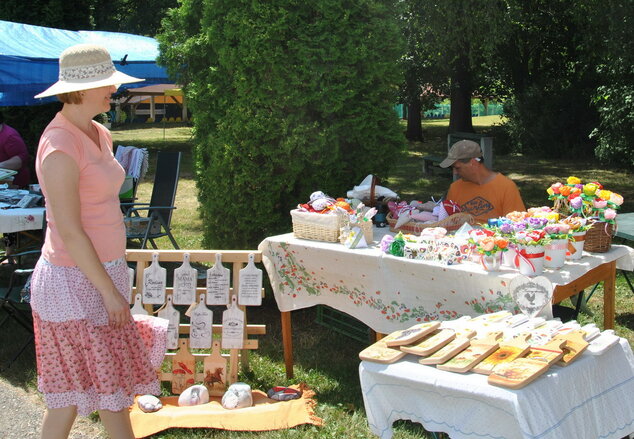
(154, 282)
(137, 308)
(185, 278)
(215, 370)
(200, 329)
(233, 326)
(250, 291)
(171, 314)
(218, 283)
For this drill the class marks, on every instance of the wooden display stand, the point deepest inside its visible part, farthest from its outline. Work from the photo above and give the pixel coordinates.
(201, 361)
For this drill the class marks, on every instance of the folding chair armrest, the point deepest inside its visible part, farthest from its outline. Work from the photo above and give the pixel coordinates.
(138, 209)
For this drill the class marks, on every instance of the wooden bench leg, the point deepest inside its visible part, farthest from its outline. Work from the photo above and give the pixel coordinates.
(287, 341)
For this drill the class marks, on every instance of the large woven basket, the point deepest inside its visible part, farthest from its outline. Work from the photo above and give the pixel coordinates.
(316, 226)
(452, 222)
(599, 237)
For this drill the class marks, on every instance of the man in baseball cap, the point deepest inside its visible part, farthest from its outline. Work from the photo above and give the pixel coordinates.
(479, 191)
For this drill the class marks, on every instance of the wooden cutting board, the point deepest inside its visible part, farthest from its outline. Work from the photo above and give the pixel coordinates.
(575, 345)
(508, 351)
(448, 351)
(431, 343)
(477, 351)
(411, 335)
(518, 373)
(183, 368)
(380, 352)
(215, 370)
(549, 353)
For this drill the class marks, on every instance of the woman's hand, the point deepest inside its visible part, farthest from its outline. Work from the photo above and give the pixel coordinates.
(117, 308)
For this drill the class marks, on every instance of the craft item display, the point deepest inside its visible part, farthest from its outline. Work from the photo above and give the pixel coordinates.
(380, 352)
(477, 351)
(531, 295)
(549, 353)
(575, 345)
(200, 329)
(250, 291)
(603, 342)
(185, 279)
(233, 326)
(149, 403)
(137, 308)
(517, 373)
(357, 231)
(194, 395)
(237, 396)
(431, 343)
(173, 316)
(215, 370)
(218, 284)
(446, 251)
(508, 351)
(412, 334)
(183, 368)
(154, 282)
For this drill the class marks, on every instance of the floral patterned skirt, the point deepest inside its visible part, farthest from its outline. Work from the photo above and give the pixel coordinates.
(81, 360)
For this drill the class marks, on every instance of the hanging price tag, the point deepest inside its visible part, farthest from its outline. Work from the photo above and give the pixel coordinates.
(185, 278)
(154, 281)
(172, 315)
(218, 283)
(233, 326)
(250, 291)
(200, 329)
(137, 308)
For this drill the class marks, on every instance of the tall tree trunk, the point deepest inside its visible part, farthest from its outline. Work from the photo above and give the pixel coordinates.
(414, 121)
(461, 90)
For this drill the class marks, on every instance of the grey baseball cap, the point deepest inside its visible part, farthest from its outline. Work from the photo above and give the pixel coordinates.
(462, 149)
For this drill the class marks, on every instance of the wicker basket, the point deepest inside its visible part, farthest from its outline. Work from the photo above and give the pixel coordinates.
(599, 237)
(316, 226)
(452, 222)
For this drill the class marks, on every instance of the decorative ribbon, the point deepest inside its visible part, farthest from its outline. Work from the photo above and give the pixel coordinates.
(526, 256)
(579, 237)
(482, 259)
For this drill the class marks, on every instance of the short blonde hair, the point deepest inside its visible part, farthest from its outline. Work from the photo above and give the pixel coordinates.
(72, 97)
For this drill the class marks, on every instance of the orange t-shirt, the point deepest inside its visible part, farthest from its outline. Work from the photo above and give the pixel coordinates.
(100, 179)
(490, 200)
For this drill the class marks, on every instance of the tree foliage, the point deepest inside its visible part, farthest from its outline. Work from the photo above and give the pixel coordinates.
(289, 97)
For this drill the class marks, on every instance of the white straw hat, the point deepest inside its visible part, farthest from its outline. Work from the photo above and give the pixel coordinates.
(83, 67)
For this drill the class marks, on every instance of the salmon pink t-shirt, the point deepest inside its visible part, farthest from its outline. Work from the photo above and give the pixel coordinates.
(100, 179)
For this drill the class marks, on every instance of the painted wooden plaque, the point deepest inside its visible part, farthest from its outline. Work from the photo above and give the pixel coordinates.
(250, 289)
(185, 278)
(183, 368)
(171, 314)
(431, 343)
(154, 282)
(518, 373)
(550, 352)
(531, 294)
(218, 283)
(215, 370)
(200, 329)
(508, 351)
(575, 345)
(137, 308)
(380, 352)
(477, 351)
(233, 326)
(412, 334)
(447, 352)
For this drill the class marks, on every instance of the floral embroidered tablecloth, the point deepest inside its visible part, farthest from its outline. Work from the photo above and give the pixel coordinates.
(389, 293)
(18, 220)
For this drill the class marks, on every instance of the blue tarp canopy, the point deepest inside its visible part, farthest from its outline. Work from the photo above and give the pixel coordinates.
(29, 59)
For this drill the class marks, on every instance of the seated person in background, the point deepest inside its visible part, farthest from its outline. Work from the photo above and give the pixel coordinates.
(14, 155)
(479, 191)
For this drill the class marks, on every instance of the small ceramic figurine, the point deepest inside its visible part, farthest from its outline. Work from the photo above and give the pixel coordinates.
(149, 403)
(237, 396)
(194, 395)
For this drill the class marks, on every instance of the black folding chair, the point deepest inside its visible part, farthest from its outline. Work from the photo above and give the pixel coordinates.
(158, 212)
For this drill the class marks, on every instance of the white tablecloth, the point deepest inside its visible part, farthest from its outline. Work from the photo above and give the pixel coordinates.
(592, 398)
(389, 293)
(18, 220)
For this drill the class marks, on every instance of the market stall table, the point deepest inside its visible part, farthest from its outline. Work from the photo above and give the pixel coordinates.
(389, 293)
(589, 399)
(18, 220)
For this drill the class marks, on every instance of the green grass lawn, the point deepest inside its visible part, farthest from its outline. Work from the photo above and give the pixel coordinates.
(325, 360)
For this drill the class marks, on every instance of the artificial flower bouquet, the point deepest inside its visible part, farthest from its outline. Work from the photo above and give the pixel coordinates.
(487, 242)
(589, 200)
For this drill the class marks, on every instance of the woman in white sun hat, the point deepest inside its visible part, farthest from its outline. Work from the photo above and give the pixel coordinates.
(91, 354)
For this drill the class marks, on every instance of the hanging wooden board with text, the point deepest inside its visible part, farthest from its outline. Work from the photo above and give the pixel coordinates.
(154, 282)
(477, 351)
(183, 368)
(518, 373)
(250, 288)
(411, 334)
(431, 343)
(201, 328)
(508, 351)
(185, 278)
(171, 314)
(137, 308)
(215, 370)
(218, 283)
(233, 326)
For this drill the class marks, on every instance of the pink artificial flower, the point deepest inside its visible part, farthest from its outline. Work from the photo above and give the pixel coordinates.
(487, 243)
(616, 199)
(609, 214)
(599, 204)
